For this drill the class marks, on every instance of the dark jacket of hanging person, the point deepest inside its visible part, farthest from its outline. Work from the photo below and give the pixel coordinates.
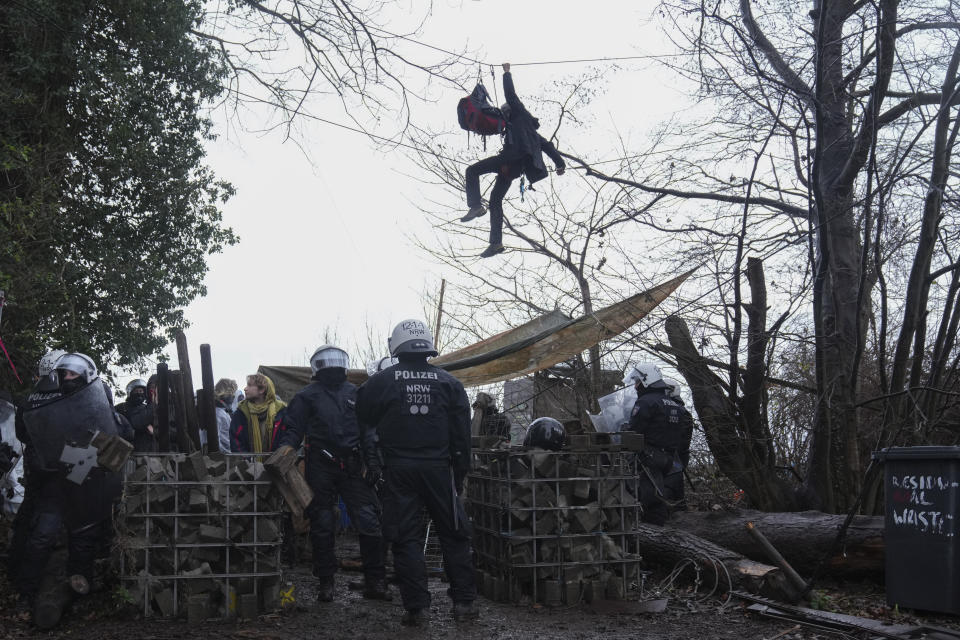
(521, 137)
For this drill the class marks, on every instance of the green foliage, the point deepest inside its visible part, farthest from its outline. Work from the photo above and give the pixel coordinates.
(107, 211)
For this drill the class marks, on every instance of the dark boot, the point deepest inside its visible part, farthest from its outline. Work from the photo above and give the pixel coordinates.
(325, 590)
(414, 618)
(376, 589)
(463, 611)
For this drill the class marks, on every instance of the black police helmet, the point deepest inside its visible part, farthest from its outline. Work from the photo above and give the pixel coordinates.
(545, 433)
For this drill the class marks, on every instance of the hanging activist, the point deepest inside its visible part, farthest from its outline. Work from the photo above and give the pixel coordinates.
(521, 155)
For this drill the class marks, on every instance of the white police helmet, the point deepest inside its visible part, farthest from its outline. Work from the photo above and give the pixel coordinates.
(48, 362)
(411, 336)
(78, 363)
(646, 373)
(136, 384)
(329, 356)
(673, 388)
(376, 366)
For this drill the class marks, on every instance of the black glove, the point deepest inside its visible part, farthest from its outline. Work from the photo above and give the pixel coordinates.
(373, 475)
(458, 477)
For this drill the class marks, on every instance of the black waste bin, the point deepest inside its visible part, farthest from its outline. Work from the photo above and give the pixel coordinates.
(922, 489)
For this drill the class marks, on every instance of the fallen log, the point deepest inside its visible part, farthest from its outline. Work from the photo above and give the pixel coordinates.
(288, 479)
(802, 537)
(668, 546)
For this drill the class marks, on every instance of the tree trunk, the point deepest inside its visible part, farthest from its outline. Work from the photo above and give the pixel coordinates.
(737, 459)
(803, 538)
(728, 569)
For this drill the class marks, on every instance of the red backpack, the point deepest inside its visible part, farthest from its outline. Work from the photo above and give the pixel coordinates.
(476, 114)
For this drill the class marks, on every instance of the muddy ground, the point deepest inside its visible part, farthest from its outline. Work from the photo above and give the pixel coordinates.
(689, 614)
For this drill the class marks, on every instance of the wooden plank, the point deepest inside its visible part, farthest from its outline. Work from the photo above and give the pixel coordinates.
(192, 424)
(162, 423)
(208, 409)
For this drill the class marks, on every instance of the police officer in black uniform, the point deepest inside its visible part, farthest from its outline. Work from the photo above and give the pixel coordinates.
(36, 481)
(658, 417)
(85, 503)
(139, 412)
(341, 460)
(422, 419)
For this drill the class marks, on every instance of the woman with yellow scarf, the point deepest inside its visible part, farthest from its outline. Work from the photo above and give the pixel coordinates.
(251, 429)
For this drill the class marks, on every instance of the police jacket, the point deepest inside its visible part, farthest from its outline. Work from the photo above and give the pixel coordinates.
(140, 415)
(421, 415)
(658, 418)
(325, 412)
(521, 136)
(46, 389)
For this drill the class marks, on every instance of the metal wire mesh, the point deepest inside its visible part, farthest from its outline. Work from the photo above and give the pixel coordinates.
(556, 526)
(200, 533)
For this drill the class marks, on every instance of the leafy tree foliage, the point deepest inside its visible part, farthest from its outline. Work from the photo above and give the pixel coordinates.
(107, 211)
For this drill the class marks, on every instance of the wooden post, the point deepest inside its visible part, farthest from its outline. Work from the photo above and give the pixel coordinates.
(208, 411)
(436, 325)
(162, 423)
(778, 559)
(192, 423)
(184, 442)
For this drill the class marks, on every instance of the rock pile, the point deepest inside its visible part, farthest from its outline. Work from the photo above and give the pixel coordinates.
(200, 535)
(555, 526)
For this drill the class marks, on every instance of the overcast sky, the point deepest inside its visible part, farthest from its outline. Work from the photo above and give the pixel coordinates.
(323, 236)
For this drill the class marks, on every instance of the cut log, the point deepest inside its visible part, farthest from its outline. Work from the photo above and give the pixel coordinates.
(802, 537)
(287, 478)
(668, 546)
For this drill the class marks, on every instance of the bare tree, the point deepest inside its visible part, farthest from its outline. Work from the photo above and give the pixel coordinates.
(287, 53)
(842, 108)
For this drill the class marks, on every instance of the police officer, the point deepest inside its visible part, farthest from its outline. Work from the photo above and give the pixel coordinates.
(139, 412)
(35, 480)
(422, 418)
(686, 435)
(658, 417)
(83, 504)
(340, 460)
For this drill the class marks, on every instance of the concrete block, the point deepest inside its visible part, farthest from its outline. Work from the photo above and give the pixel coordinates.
(581, 489)
(162, 498)
(551, 593)
(210, 533)
(545, 524)
(544, 464)
(194, 467)
(595, 591)
(267, 530)
(216, 465)
(585, 519)
(249, 606)
(165, 603)
(269, 597)
(240, 498)
(236, 530)
(198, 608)
(207, 554)
(197, 501)
(565, 468)
(615, 589)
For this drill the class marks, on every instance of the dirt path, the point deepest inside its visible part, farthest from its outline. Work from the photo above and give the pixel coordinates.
(351, 617)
